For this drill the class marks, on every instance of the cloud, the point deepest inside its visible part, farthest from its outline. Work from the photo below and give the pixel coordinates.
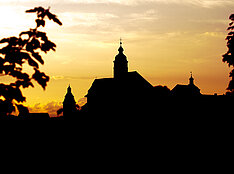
(213, 34)
(50, 108)
(203, 3)
(85, 19)
(82, 101)
(211, 3)
(60, 77)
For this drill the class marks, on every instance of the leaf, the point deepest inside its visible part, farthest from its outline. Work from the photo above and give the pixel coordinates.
(41, 35)
(24, 55)
(229, 59)
(29, 33)
(24, 83)
(29, 47)
(57, 21)
(8, 68)
(230, 28)
(41, 78)
(33, 63)
(17, 95)
(231, 74)
(36, 9)
(6, 107)
(4, 40)
(53, 17)
(38, 58)
(22, 110)
(231, 34)
(13, 40)
(50, 15)
(47, 46)
(35, 43)
(9, 92)
(229, 37)
(231, 17)
(19, 75)
(31, 10)
(40, 22)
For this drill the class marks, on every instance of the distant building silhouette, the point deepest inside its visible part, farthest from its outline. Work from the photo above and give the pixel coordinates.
(120, 64)
(123, 90)
(186, 90)
(128, 93)
(69, 104)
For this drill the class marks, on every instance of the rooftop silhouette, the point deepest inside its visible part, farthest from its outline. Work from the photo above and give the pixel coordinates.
(129, 94)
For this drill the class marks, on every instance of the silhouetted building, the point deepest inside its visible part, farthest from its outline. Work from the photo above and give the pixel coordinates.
(161, 91)
(120, 64)
(186, 90)
(124, 90)
(128, 93)
(69, 104)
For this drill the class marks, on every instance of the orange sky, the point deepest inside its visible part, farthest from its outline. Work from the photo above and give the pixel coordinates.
(163, 39)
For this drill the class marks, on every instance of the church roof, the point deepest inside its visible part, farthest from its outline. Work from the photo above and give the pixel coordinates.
(132, 81)
(185, 90)
(101, 85)
(135, 79)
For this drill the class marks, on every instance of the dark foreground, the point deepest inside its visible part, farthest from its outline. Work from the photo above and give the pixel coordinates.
(166, 108)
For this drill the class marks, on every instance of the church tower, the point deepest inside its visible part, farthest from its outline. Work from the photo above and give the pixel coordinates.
(120, 63)
(69, 104)
(191, 79)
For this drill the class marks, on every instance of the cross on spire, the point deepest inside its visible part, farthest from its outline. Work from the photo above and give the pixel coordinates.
(120, 47)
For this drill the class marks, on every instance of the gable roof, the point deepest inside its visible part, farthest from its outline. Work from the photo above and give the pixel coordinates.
(136, 79)
(131, 81)
(184, 90)
(101, 85)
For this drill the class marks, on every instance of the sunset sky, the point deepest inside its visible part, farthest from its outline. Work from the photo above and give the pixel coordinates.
(163, 40)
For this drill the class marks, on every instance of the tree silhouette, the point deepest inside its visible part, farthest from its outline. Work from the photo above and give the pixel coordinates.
(25, 49)
(229, 55)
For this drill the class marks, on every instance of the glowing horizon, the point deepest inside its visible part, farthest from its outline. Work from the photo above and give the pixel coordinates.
(163, 40)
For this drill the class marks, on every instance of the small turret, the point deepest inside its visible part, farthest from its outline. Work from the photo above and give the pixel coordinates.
(69, 104)
(191, 79)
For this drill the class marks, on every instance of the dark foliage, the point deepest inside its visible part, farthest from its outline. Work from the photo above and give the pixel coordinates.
(16, 51)
(228, 57)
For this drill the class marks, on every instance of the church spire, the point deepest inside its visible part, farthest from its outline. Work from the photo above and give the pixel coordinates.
(120, 63)
(191, 79)
(120, 46)
(69, 89)
(69, 103)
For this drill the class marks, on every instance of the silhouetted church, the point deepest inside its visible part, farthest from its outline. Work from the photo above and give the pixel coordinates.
(69, 104)
(128, 93)
(186, 90)
(124, 90)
